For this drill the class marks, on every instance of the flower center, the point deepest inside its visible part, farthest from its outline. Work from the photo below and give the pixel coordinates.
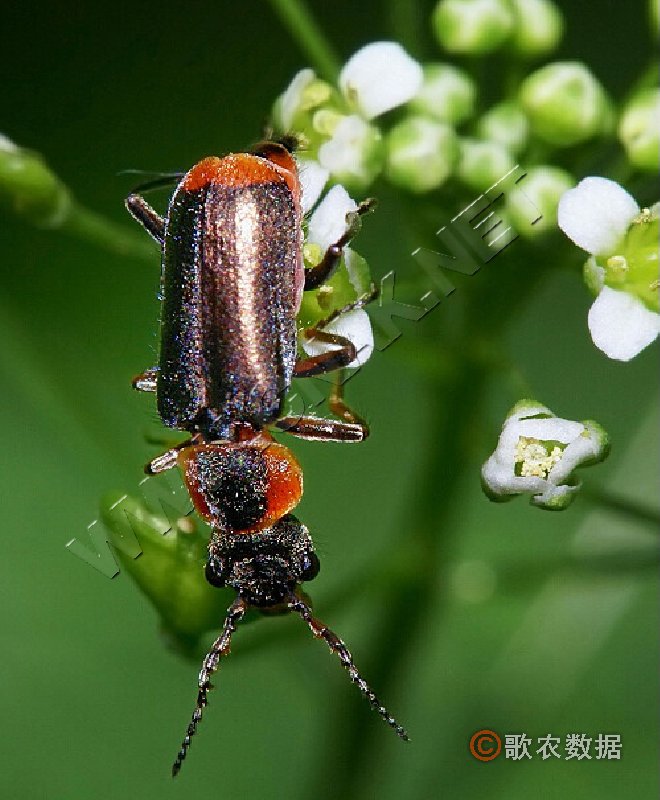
(535, 459)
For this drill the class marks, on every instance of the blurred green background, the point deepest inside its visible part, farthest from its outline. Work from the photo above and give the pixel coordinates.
(488, 616)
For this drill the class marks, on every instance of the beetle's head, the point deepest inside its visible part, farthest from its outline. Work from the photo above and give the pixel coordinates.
(265, 567)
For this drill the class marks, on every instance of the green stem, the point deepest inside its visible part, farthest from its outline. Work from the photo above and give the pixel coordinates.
(407, 23)
(118, 239)
(310, 38)
(623, 506)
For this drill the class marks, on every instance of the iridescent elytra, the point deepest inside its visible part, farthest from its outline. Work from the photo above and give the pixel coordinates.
(231, 285)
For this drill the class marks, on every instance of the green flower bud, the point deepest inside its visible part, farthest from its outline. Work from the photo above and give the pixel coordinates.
(472, 26)
(565, 103)
(421, 153)
(639, 130)
(448, 94)
(170, 568)
(295, 109)
(29, 188)
(543, 186)
(351, 280)
(481, 164)
(505, 124)
(538, 26)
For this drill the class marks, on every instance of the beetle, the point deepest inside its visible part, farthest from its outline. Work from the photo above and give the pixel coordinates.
(246, 491)
(231, 285)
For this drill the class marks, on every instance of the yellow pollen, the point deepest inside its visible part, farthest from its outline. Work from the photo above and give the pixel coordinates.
(534, 458)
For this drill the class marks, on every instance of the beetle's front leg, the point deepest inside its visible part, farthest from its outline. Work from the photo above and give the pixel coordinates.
(318, 275)
(150, 219)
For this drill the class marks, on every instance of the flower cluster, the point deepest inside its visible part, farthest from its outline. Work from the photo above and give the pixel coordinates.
(537, 454)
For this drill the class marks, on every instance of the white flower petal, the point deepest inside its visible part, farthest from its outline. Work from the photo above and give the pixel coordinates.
(596, 214)
(356, 327)
(349, 148)
(290, 99)
(379, 77)
(313, 178)
(554, 429)
(586, 446)
(556, 496)
(328, 223)
(621, 325)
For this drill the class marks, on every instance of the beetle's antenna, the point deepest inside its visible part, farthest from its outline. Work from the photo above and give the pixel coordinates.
(337, 646)
(165, 179)
(210, 664)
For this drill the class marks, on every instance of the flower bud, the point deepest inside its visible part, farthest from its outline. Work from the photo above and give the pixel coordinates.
(29, 187)
(170, 568)
(481, 164)
(447, 94)
(538, 27)
(565, 103)
(537, 454)
(472, 26)
(421, 153)
(639, 130)
(543, 186)
(505, 124)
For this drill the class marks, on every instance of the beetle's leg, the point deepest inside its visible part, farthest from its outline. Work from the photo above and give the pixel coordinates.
(345, 352)
(329, 361)
(340, 407)
(150, 220)
(318, 275)
(146, 381)
(168, 459)
(323, 430)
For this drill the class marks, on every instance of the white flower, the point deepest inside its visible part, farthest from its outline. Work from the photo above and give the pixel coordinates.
(313, 178)
(328, 222)
(326, 226)
(380, 77)
(291, 100)
(597, 215)
(352, 152)
(621, 325)
(537, 454)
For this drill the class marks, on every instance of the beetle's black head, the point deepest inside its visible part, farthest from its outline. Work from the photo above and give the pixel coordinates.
(286, 142)
(265, 567)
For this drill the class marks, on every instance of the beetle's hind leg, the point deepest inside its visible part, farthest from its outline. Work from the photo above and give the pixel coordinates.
(318, 275)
